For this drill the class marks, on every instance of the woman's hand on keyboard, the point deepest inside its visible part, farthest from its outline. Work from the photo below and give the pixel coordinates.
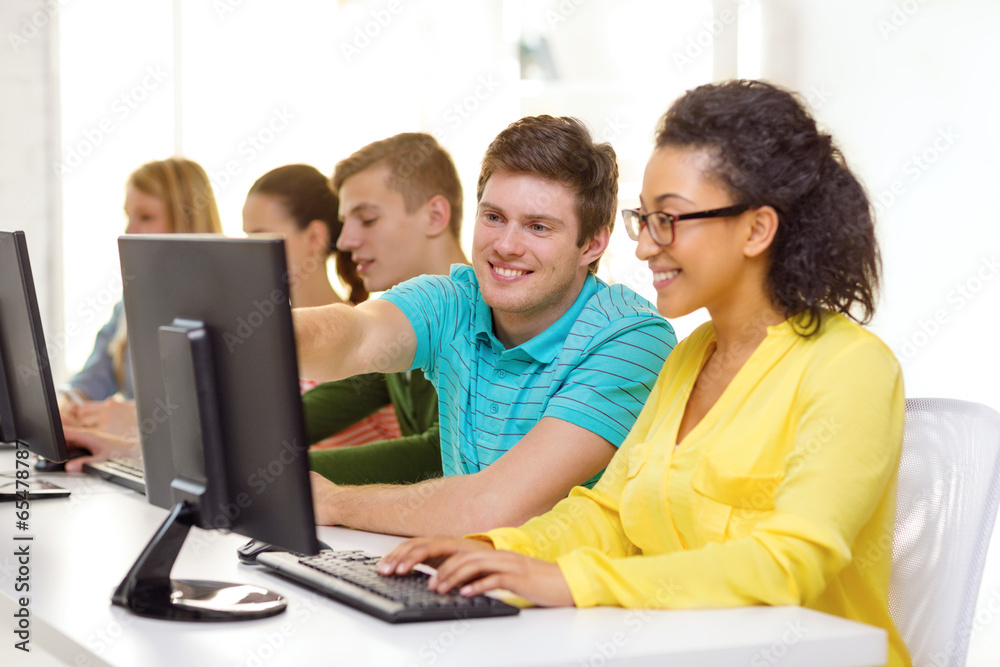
(477, 567)
(476, 572)
(430, 550)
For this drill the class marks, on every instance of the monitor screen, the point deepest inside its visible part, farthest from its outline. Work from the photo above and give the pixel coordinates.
(29, 413)
(216, 384)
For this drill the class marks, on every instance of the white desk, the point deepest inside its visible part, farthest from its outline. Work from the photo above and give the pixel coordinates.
(83, 545)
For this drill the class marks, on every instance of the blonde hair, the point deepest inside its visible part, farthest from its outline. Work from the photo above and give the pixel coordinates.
(183, 187)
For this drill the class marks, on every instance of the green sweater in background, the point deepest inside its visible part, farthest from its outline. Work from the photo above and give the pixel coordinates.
(331, 407)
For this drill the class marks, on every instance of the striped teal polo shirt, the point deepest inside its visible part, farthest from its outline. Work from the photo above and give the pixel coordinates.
(594, 367)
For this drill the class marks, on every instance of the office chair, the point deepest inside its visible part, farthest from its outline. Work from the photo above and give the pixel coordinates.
(946, 504)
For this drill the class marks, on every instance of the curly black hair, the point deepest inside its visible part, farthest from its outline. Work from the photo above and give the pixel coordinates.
(767, 150)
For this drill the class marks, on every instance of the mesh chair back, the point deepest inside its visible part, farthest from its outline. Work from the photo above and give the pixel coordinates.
(946, 503)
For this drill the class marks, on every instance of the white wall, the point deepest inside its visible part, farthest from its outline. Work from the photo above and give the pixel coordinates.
(29, 139)
(911, 91)
(257, 85)
(908, 87)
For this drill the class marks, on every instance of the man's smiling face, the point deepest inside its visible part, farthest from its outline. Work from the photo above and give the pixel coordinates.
(525, 253)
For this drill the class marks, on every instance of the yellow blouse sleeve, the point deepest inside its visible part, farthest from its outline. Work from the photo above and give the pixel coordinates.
(845, 451)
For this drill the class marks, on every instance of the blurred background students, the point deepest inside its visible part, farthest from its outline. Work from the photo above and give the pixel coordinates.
(161, 197)
(401, 210)
(296, 201)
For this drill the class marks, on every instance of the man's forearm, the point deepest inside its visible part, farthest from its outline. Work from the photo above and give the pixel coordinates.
(525, 482)
(319, 331)
(454, 505)
(339, 341)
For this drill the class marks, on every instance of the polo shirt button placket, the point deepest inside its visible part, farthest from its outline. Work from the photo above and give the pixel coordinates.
(494, 408)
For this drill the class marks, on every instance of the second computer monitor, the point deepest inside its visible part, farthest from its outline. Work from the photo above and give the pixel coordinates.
(29, 414)
(236, 290)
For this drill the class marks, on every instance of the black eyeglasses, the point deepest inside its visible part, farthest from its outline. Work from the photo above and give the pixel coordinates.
(661, 225)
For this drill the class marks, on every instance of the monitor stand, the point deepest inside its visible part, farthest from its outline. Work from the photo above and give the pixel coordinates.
(147, 589)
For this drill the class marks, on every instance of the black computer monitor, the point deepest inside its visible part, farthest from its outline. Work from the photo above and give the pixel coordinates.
(29, 413)
(220, 415)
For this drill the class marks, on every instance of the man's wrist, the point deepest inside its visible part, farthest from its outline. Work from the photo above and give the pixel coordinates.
(328, 508)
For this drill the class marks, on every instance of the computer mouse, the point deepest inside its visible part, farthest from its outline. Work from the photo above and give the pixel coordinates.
(248, 552)
(45, 465)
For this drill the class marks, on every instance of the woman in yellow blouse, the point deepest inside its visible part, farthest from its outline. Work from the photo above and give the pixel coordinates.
(763, 465)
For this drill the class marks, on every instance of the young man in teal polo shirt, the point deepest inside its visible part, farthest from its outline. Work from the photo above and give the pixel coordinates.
(541, 368)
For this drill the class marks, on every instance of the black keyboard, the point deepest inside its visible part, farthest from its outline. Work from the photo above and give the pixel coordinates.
(127, 472)
(350, 577)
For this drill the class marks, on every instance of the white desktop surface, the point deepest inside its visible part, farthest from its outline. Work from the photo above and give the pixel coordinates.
(84, 545)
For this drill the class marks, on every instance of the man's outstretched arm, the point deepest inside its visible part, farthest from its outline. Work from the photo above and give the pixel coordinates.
(340, 341)
(537, 472)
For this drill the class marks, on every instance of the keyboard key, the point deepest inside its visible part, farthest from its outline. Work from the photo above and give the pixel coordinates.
(350, 577)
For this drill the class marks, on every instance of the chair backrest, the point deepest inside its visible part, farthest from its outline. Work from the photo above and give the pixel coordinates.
(946, 503)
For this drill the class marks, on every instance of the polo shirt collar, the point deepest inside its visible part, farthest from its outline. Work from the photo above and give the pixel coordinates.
(544, 347)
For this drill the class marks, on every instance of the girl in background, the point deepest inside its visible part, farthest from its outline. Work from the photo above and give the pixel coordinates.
(161, 197)
(297, 202)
